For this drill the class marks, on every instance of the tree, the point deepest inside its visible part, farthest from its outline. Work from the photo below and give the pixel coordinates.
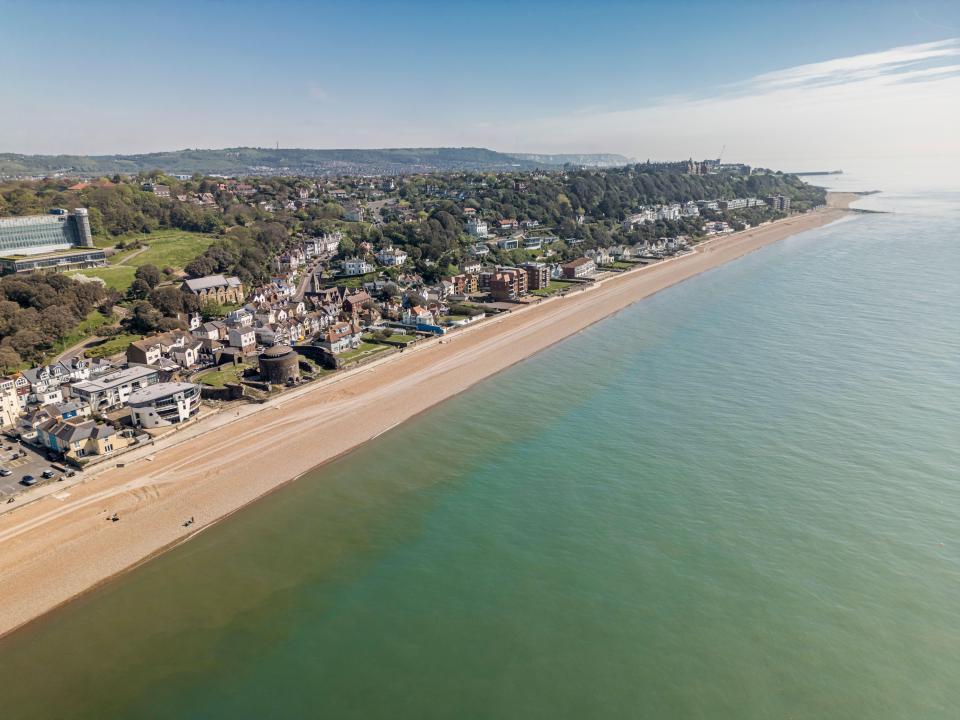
(171, 300)
(56, 321)
(200, 266)
(144, 318)
(347, 246)
(10, 359)
(212, 310)
(139, 289)
(150, 274)
(27, 343)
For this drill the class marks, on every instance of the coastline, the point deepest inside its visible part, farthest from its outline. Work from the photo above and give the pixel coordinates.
(57, 548)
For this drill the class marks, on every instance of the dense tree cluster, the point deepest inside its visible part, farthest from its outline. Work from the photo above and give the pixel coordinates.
(39, 309)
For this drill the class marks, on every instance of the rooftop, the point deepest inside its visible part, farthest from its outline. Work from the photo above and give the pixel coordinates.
(160, 390)
(115, 379)
(211, 281)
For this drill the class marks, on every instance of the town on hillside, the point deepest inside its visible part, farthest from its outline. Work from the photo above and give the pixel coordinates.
(131, 306)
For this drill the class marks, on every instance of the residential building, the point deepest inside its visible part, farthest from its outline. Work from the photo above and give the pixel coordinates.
(9, 403)
(340, 337)
(111, 391)
(354, 302)
(188, 354)
(163, 404)
(161, 191)
(147, 351)
(464, 284)
(240, 318)
(417, 316)
(532, 243)
(216, 288)
(734, 204)
(579, 268)
(212, 330)
(76, 438)
(45, 381)
(356, 266)
(477, 227)
(391, 257)
(538, 275)
(600, 256)
(244, 338)
(181, 347)
(324, 245)
(778, 203)
(510, 243)
(507, 284)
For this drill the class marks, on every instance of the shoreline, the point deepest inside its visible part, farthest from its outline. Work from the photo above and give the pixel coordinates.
(59, 546)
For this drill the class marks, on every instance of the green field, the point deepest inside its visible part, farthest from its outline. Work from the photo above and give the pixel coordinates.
(396, 337)
(164, 248)
(364, 350)
(219, 377)
(117, 277)
(112, 346)
(553, 288)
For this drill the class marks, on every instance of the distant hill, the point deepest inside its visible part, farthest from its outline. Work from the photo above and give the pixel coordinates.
(294, 161)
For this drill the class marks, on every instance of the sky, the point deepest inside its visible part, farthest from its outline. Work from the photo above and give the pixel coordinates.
(793, 85)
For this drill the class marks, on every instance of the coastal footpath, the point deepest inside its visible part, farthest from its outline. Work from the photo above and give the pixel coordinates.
(65, 544)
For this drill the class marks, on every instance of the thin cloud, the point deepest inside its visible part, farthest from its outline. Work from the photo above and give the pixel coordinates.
(896, 108)
(857, 67)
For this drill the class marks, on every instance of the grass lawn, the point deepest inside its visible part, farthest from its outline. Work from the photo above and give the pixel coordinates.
(165, 248)
(620, 265)
(364, 350)
(218, 377)
(453, 318)
(112, 346)
(117, 277)
(354, 281)
(396, 337)
(83, 329)
(553, 288)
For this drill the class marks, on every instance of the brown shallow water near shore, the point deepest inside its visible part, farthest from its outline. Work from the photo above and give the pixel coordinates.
(55, 549)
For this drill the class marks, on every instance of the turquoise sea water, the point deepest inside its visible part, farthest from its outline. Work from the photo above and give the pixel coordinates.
(737, 499)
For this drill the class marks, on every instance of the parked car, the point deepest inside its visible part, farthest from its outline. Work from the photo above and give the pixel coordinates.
(6, 472)
(28, 480)
(47, 474)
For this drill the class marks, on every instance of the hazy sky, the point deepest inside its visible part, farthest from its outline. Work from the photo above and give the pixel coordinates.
(793, 85)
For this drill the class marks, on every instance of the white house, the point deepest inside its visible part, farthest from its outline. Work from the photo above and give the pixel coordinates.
(391, 257)
(244, 338)
(355, 266)
(477, 227)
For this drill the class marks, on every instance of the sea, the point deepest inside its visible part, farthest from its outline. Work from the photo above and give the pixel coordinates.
(737, 499)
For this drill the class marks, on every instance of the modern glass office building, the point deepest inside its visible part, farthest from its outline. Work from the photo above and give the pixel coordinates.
(36, 234)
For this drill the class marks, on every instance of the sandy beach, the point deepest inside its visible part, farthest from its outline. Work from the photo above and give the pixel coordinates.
(62, 545)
